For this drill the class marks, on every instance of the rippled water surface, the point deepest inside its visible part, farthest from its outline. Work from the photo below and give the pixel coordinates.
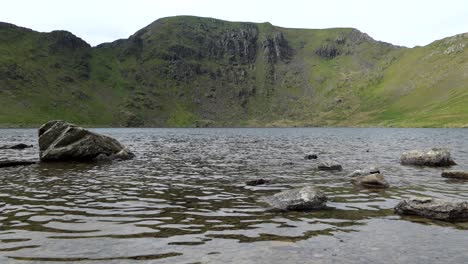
(183, 199)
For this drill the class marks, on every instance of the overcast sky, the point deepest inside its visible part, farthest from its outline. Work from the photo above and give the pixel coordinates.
(401, 22)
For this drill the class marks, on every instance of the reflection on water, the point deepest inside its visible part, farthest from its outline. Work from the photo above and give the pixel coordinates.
(183, 199)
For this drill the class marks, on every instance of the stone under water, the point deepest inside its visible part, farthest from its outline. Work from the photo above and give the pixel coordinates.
(330, 165)
(364, 172)
(15, 163)
(455, 174)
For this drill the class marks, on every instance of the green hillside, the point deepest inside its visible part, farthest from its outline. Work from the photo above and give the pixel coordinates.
(192, 71)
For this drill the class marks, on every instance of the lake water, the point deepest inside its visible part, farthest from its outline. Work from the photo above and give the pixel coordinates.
(183, 199)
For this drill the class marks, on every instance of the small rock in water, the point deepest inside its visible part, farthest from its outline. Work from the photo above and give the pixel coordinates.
(257, 182)
(14, 163)
(61, 141)
(16, 146)
(435, 157)
(330, 165)
(305, 198)
(311, 156)
(364, 172)
(440, 209)
(455, 174)
(371, 181)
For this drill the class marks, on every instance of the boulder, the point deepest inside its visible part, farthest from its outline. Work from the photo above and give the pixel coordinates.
(257, 182)
(330, 165)
(16, 146)
(455, 174)
(364, 172)
(15, 163)
(440, 209)
(61, 141)
(434, 157)
(310, 156)
(372, 181)
(305, 198)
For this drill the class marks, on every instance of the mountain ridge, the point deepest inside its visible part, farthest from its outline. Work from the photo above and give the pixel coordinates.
(192, 71)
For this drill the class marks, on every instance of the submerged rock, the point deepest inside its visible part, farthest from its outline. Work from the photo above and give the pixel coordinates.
(257, 182)
(16, 146)
(61, 141)
(455, 174)
(440, 209)
(364, 172)
(434, 157)
(310, 156)
(305, 198)
(15, 163)
(330, 165)
(372, 181)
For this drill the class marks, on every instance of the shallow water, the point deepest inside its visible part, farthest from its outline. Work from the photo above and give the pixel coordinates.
(183, 199)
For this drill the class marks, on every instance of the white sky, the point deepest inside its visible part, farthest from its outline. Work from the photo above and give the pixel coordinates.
(401, 22)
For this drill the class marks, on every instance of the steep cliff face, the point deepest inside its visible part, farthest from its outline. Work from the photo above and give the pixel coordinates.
(192, 71)
(186, 71)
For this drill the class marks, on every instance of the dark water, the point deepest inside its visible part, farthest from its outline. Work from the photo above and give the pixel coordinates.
(183, 200)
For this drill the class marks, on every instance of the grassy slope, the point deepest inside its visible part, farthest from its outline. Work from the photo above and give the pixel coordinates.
(427, 86)
(188, 71)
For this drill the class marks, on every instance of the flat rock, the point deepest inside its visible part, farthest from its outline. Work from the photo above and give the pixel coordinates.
(455, 174)
(371, 181)
(16, 146)
(257, 182)
(435, 157)
(15, 163)
(440, 209)
(364, 172)
(330, 165)
(61, 141)
(305, 198)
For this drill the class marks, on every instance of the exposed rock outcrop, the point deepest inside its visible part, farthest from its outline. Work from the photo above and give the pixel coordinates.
(61, 141)
(276, 48)
(455, 174)
(435, 157)
(447, 210)
(371, 181)
(305, 198)
(240, 46)
(328, 51)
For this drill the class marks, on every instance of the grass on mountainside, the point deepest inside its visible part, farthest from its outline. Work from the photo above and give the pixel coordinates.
(158, 77)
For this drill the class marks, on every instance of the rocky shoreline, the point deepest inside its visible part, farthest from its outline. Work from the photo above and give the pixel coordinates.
(61, 141)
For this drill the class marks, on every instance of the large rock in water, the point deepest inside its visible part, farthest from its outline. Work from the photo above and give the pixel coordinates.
(447, 210)
(434, 157)
(371, 181)
(306, 198)
(61, 141)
